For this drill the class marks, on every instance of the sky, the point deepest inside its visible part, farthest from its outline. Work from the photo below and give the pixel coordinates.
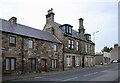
(98, 15)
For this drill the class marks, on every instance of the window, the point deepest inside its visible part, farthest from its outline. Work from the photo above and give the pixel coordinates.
(86, 48)
(30, 43)
(69, 43)
(54, 63)
(86, 60)
(10, 64)
(68, 60)
(68, 29)
(12, 40)
(77, 61)
(77, 46)
(72, 45)
(55, 47)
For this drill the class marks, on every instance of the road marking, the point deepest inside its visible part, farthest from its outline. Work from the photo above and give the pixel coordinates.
(91, 74)
(70, 79)
(37, 77)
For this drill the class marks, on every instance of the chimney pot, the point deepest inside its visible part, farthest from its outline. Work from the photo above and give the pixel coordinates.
(13, 20)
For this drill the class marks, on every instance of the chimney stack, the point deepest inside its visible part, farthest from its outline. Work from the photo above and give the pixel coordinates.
(81, 23)
(13, 20)
(50, 15)
(81, 29)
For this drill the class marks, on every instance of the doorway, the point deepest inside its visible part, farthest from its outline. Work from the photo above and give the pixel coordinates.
(43, 65)
(82, 61)
(73, 61)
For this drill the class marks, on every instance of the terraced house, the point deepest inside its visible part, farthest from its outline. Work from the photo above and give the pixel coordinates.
(78, 48)
(26, 49)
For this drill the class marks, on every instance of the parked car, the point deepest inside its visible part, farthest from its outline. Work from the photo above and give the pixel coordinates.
(118, 60)
(114, 61)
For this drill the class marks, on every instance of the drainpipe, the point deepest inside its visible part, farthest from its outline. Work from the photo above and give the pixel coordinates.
(22, 53)
(63, 58)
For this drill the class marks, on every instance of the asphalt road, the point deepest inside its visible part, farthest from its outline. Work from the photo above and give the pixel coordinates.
(103, 73)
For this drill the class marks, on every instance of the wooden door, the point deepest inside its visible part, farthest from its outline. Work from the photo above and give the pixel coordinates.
(43, 65)
(73, 61)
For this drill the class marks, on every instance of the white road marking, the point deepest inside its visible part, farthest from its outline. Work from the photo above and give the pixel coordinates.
(91, 74)
(70, 79)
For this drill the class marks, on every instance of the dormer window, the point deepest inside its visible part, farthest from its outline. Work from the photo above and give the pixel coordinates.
(68, 29)
(88, 37)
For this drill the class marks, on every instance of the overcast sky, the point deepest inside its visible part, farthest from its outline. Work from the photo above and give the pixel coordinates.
(98, 15)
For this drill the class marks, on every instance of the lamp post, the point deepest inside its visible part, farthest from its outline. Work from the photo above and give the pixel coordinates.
(94, 35)
(94, 42)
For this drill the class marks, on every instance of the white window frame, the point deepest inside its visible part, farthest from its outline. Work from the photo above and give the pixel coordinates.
(72, 47)
(77, 45)
(86, 48)
(10, 64)
(70, 30)
(55, 47)
(30, 43)
(69, 43)
(54, 63)
(77, 61)
(68, 60)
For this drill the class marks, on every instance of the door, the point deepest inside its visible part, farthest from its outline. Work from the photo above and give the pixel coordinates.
(83, 62)
(73, 61)
(43, 65)
(33, 64)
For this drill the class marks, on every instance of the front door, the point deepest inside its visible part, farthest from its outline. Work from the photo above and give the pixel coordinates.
(82, 61)
(33, 64)
(73, 61)
(43, 65)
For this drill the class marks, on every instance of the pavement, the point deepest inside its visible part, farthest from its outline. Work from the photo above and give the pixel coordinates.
(32, 75)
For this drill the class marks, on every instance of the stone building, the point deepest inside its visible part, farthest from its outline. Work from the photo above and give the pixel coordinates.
(102, 58)
(26, 49)
(106, 58)
(115, 55)
(78, 49)
(99, 58)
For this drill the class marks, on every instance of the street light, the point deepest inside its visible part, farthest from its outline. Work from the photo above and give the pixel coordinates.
(94, 35)
(94, 42)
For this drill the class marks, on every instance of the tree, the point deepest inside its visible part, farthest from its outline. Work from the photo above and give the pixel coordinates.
(106, 49)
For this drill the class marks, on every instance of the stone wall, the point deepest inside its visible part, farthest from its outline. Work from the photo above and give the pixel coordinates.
(41, 50)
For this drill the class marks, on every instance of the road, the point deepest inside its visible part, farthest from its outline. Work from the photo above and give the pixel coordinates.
(103, 73)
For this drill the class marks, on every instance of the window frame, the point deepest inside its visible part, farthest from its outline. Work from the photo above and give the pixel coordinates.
(68, 60)
(69, 43)
(86, 48)
(10, 43)
(53, 63)
(68, 29)
(72, 44)
(29, 44)
(77, 46)
(77, 60)
(10, 64)
(55, 47)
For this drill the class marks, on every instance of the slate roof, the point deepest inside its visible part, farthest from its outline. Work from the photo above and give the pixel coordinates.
(27, 31)
(75, 34)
